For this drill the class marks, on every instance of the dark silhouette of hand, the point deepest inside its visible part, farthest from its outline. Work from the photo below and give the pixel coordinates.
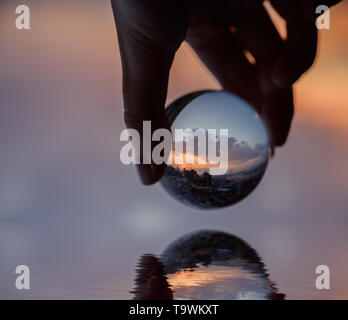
(151, 31)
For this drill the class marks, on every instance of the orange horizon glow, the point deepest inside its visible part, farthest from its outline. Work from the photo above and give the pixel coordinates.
(175, 160)
(205, 275)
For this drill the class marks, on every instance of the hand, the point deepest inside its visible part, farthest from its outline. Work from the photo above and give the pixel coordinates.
(151, 31)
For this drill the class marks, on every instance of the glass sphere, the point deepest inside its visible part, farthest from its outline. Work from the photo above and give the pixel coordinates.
(220, 149)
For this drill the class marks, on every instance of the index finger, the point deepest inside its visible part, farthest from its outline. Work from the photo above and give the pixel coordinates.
(149, 33)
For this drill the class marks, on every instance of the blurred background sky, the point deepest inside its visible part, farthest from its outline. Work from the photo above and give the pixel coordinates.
(80, 219)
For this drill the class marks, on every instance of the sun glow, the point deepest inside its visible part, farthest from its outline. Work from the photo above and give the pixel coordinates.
(178, 160)
(205, 275)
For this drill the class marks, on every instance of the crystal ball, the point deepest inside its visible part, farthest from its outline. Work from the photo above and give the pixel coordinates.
(220, 149)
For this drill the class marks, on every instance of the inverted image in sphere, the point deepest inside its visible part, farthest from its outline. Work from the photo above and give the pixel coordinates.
(228, 151)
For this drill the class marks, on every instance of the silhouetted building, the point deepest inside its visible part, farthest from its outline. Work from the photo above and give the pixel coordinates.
(207, 177)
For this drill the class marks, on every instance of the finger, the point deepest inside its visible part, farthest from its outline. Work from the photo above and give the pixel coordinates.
(219, 50)
(300, 47)
(149, 35)
(277, 111)
(259, 36)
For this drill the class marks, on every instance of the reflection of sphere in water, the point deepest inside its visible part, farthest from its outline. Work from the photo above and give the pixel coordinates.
(216, 265)
(223, 156)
